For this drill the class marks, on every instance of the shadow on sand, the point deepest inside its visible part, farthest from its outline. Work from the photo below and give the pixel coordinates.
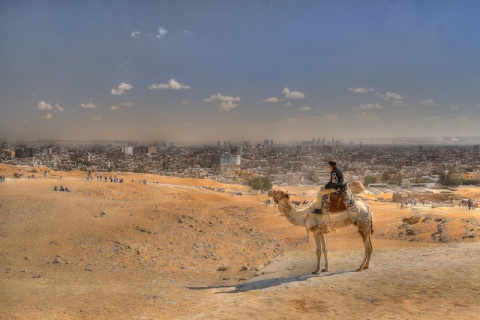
(267, 283)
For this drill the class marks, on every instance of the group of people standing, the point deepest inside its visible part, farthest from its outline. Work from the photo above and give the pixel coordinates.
(62, 189)
(472, 204)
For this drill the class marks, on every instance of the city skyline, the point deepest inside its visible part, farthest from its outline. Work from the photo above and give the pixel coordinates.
(246, 70)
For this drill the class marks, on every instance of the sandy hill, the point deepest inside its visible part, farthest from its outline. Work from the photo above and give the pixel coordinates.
(186, 248)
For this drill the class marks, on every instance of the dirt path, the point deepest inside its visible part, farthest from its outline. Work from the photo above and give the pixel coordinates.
(436, 281)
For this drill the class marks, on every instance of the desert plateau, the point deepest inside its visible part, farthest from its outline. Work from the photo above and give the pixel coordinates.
(157, 247)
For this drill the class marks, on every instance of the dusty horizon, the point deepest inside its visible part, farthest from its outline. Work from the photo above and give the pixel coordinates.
(444, 140)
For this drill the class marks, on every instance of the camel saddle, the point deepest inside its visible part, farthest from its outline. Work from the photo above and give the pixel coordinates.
(336, 203)
(339, 201)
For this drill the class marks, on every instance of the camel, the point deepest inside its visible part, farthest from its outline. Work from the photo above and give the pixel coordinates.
(359, 215)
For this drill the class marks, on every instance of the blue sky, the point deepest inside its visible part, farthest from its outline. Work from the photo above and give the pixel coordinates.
(238, 70)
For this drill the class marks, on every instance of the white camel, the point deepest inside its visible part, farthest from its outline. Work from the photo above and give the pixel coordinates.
(360, 216)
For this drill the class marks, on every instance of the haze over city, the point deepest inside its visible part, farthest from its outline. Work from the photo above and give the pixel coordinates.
(238, 70)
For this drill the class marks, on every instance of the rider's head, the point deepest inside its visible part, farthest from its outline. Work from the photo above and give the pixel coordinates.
(332, 164)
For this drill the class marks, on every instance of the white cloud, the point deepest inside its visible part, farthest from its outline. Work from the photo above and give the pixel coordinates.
(305, 108)
(220, 97)
(88, 106)
(225, 103)
(172, 84)
(42, 105)
(367, 116)
(271, 100)
(399, 103)
(96, 118)
(114, 107)
(292, 94)
(361, 90)
(127, 104)
(332, 117)
(47, 116)
(161, 32)
(427, 102)
(368, 106)
(454, 107)
(135, 33)
(187, 32)
(391, 95)
(288, 104)
(122, 87)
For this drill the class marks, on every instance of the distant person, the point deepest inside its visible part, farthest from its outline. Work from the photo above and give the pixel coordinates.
(335, 183)
(61, 188)
(55, 189)
(66, 189)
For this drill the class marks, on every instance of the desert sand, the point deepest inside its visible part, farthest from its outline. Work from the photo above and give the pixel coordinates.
(181, 249)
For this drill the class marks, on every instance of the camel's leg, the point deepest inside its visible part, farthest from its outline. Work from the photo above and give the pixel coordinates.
(325, 251)
(365, 232)
(321, 247)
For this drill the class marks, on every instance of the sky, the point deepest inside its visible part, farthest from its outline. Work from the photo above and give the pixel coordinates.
(247, 70)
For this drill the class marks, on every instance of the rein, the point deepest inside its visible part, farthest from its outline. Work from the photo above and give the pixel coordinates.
(306, 218)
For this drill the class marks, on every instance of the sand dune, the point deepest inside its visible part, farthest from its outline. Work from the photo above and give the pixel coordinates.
(177, 248)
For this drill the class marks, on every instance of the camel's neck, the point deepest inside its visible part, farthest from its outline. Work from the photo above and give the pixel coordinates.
(296, 217)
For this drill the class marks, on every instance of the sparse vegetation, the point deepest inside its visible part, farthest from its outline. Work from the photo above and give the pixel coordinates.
(260, 183)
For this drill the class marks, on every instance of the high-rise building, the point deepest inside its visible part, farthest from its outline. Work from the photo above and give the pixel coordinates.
(152, 150)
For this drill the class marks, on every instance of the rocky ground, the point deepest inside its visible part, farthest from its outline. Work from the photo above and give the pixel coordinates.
(196, 249)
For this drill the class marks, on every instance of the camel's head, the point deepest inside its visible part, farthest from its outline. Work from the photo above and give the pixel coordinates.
(277, 195)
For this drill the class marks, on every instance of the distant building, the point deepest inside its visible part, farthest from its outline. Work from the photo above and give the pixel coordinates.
(470, 175)
(22, 153)
(237, 151)
(228, 159)
(140, 150)
(115, 156)
(129, 150)
(152, 150)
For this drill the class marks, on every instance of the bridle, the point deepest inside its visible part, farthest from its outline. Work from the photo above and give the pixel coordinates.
(275, 200)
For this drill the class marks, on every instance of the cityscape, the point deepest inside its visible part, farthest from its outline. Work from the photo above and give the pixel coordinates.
(303, 163)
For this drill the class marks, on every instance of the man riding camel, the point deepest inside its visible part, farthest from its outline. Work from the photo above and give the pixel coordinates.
(335, 183)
